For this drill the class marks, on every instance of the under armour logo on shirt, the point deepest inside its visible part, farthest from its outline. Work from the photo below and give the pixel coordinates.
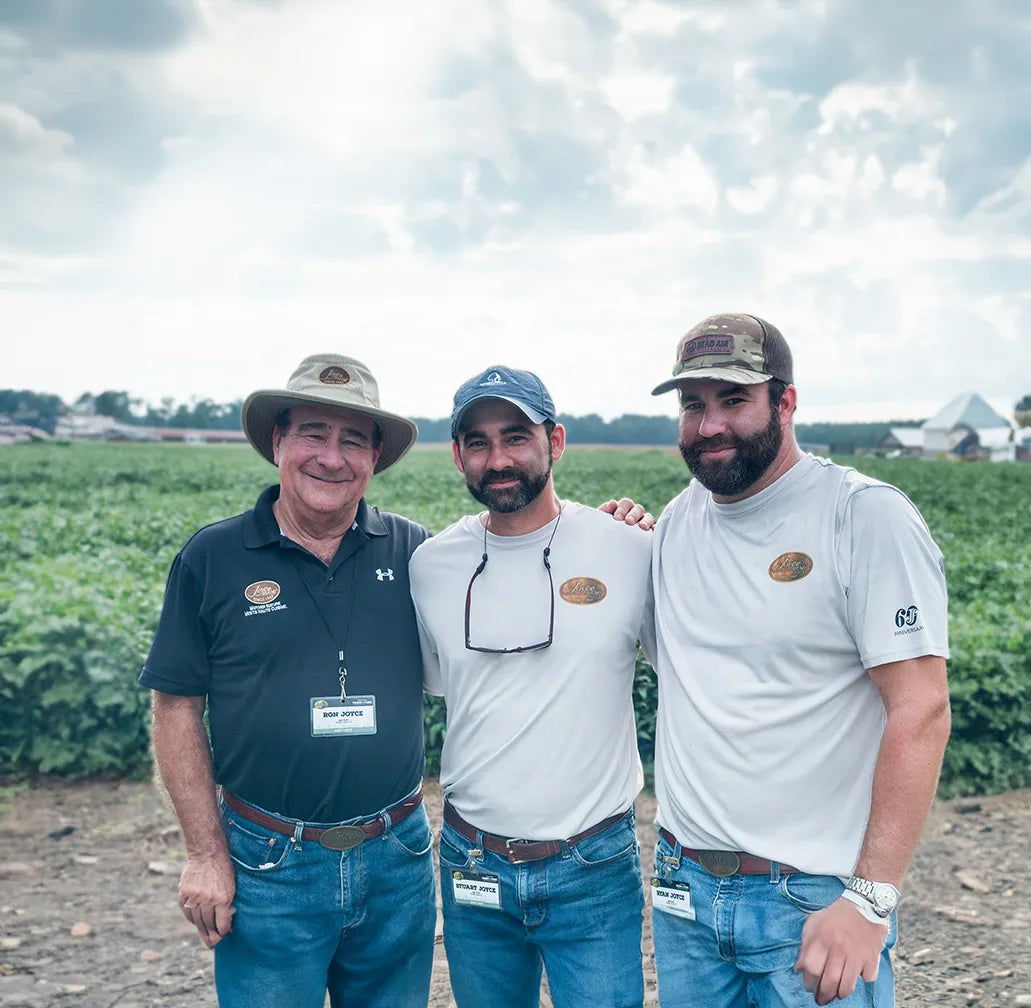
(384, 575)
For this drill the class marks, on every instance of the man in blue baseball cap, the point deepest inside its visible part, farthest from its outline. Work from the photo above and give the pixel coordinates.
(529, 614)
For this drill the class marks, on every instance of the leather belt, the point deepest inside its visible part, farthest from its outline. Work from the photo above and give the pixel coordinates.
(519, 851)
(338, 838)
(723, 864)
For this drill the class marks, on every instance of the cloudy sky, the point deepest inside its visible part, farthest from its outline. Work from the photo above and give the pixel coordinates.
(194, 194)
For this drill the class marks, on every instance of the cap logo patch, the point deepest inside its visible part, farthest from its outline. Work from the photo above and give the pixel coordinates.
(791, 567)
(582, 591)
(334, 375)
(492, 379)
(704, 346)
(261, 592)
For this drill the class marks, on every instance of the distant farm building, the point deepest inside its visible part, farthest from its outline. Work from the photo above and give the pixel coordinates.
(902, 442)
(968, 427)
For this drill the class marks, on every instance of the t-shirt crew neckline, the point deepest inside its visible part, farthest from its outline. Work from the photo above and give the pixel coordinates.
(516, 541)
(767, 495)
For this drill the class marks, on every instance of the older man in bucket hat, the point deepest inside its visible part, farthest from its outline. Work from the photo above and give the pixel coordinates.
(310, 868)
(800, 614)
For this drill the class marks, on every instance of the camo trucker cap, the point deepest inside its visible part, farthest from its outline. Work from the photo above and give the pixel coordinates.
(735, 348)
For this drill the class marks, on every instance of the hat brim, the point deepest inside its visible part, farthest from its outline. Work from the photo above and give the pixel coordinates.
(730, 373)
(534, 416)
(260, 409)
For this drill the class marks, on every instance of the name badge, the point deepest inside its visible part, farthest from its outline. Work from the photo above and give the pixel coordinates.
(672, 898)
(332, 716)
(476, 889)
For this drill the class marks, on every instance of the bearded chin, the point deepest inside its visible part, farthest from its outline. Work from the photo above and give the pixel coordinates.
(753, 456)
(510, 499)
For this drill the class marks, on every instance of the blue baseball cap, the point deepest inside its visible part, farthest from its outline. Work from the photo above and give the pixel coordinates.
(523, 389)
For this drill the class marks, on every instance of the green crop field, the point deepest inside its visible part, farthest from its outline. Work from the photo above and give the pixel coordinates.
(87, 533)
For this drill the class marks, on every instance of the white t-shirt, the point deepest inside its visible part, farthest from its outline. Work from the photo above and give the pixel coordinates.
(540, 745)
(767, 613)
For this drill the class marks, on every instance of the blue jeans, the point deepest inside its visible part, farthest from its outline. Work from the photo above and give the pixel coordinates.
(740, 950)
(358, 923)
(577, 914)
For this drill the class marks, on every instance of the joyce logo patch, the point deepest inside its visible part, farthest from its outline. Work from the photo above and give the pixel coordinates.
(261, 592)
(791, 566)
(582, 591)
(334, 376)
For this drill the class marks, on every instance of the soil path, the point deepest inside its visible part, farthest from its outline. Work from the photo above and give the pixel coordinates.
(88, 875)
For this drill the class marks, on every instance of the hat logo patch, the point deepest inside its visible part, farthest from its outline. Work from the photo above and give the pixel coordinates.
(582, 590)
(492, 379)
(703, 346)
(334, 375)
(261, 592)
(791, 566)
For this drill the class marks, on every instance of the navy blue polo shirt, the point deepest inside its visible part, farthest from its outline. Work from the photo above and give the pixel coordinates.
(255, 623)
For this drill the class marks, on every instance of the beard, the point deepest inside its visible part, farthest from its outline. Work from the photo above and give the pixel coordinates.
(752, 458)
(509, 499)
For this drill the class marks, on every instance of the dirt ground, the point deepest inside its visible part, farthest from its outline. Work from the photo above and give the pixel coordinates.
(88, 917)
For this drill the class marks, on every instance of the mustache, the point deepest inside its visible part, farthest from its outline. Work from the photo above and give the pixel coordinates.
(500, 476)
(713, 444)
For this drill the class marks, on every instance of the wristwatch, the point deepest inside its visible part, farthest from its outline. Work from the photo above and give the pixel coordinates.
(882, 896)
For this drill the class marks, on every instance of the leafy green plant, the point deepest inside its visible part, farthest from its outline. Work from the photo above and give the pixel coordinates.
(88, 531)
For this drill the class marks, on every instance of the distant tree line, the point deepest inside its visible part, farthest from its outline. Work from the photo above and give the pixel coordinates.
(43, 411)
(40, 410)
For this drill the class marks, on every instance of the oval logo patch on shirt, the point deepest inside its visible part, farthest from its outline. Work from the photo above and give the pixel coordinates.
(791, 566)
(582, 590)
(261, 592)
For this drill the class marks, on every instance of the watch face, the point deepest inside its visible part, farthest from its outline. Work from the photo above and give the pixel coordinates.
(884, 898)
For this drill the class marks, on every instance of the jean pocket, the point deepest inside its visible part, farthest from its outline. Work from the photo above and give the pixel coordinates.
(617, 842)
(454, 849)
(810, 893)
(413, 836)
(254, 849)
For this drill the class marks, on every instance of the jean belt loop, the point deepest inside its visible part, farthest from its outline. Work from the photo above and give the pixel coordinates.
(774, 872)
(298, 830)
(476, 853)
(387, 822)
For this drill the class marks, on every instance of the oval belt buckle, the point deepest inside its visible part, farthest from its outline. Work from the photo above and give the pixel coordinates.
(721, 863)
(341, 838)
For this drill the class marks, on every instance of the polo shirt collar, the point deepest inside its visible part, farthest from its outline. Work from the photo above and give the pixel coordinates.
(260, 527)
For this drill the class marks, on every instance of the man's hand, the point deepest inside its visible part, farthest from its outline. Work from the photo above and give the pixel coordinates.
(206, 892)
(839, 945)
(625, 510)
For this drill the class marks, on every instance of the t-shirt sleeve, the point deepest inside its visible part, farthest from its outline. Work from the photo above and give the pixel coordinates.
(178, 660)
(646, 635)
(432, 682)
(895, 578)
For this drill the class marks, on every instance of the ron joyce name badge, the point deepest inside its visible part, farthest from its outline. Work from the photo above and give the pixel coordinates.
(332, 716)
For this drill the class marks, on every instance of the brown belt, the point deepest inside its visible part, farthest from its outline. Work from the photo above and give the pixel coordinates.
(517, 851)
(723, 864)
(338, 838)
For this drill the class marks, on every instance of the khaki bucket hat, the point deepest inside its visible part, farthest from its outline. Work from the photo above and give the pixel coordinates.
(328, 380)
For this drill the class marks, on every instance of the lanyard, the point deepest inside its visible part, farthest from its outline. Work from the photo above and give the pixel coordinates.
(340, 643)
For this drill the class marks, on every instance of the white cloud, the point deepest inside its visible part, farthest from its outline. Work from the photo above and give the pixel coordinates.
(569, 188)
(681, 182)
(754, 197)
(637, 94)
